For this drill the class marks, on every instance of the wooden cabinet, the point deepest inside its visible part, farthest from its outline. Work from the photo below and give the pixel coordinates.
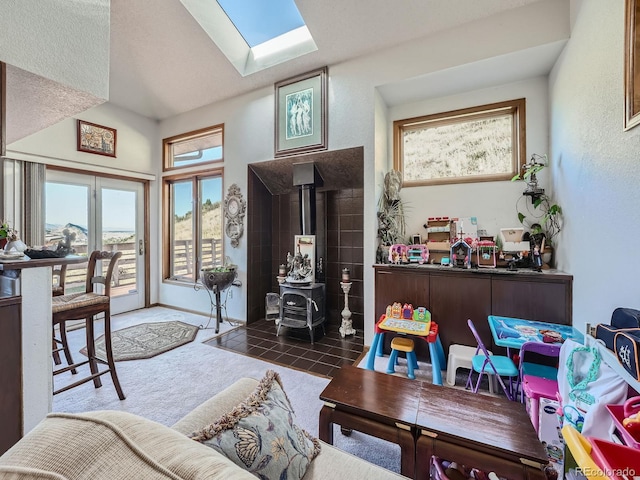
(10, 373)
(454, 295)
(456, 298)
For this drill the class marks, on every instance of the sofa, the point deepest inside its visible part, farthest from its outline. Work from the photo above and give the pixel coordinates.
(118, 445)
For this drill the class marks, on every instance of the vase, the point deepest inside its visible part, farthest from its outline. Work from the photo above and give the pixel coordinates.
(547, 256)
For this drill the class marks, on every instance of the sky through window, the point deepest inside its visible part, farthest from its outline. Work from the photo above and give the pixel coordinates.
(259, 21)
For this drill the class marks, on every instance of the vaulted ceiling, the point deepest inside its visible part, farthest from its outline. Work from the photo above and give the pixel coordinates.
(162, 63)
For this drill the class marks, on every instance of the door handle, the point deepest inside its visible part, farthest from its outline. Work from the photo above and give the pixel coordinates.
(140, 247)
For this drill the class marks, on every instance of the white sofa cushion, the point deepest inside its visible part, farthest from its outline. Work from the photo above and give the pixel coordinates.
(112, 445)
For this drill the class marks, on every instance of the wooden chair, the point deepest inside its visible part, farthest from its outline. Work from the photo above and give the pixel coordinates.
(85, 306)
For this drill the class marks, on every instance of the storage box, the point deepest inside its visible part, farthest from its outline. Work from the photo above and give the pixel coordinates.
(512, 240)
(550, 434)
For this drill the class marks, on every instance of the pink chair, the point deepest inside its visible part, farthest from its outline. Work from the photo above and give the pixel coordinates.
(497, 365)
(539, 360)
(535, 388)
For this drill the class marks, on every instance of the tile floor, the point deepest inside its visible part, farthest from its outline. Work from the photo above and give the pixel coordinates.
(293, 348)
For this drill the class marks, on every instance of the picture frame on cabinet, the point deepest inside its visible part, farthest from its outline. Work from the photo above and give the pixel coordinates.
(301, 113)
(98, 139)
(632, 65)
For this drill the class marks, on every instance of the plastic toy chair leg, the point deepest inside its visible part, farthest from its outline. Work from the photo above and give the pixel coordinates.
(391, 367)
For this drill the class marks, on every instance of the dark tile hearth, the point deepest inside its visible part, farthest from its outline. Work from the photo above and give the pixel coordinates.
(292, 348)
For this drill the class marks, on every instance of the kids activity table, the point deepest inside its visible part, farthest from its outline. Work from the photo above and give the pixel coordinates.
(427, 331)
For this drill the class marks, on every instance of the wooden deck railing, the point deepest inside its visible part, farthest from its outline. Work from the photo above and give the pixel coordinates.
(125, 275)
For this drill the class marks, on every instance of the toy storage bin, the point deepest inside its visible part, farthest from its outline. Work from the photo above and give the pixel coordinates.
(602, 459)
(438, 469)
(619, 413)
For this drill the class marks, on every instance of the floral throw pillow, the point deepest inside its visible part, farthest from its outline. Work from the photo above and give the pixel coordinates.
(261, 436)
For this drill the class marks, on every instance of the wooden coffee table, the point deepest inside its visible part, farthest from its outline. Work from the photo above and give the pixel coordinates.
(489, 433)
(380, 405)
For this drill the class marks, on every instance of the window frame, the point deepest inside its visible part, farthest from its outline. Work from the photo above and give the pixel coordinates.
(196, 174)
(517, 109)
(167, 143)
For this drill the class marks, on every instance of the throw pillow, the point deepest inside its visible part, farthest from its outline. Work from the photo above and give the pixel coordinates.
(261, 436)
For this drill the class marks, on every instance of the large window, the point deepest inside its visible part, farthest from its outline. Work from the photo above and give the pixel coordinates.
(478, 144)
(193, 212)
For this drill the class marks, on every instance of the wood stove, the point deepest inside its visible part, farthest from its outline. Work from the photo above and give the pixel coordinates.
(302, 306)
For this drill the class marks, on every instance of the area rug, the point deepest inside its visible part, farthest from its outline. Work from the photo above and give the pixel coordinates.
(146, 340)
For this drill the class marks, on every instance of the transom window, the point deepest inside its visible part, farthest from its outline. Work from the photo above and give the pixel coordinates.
(192, 206)
(194, 148)
(478, 144)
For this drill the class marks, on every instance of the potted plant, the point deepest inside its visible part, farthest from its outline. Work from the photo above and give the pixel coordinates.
(544, 217)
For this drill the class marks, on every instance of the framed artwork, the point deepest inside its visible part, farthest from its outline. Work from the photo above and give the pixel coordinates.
(631, 65)
(97, 139)
(301, 113)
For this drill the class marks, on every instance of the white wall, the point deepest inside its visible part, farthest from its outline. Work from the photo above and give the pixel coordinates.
(595, 165)
(493, 203)
(137, 147)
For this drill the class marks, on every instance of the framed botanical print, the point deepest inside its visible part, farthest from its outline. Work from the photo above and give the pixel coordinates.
(97, 139)
(301, 113)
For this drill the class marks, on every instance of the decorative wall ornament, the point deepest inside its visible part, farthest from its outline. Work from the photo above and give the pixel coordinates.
(234, 210)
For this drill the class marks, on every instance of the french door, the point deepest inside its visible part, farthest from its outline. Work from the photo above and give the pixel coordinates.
(101, 214)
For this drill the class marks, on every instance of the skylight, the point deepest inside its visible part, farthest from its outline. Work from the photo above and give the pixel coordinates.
(259, 21)
(254, 34)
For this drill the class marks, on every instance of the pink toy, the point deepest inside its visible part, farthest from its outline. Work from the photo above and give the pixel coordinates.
(398, 253)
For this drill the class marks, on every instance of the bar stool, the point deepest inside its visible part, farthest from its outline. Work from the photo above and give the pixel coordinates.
(85, 306)
(59, 273)
(406, 345)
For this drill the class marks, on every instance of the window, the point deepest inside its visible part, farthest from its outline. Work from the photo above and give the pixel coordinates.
(259, 21)
(192, 204)
(194, 148)
(254, 34)
(478, 144)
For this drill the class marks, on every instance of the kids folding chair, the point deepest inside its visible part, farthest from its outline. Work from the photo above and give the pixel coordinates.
(538, 359)
(497, 365)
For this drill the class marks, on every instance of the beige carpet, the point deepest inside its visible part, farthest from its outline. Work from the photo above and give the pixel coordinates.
(146, 340)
